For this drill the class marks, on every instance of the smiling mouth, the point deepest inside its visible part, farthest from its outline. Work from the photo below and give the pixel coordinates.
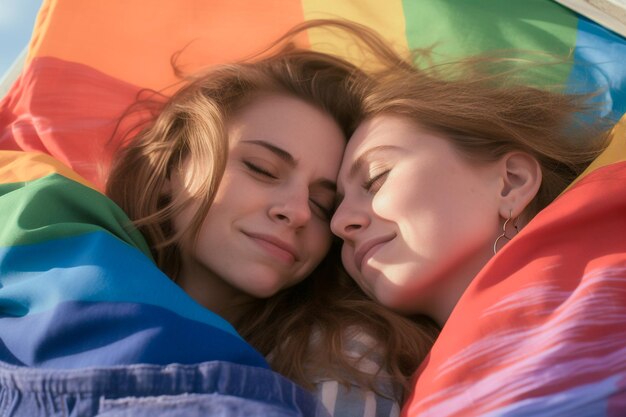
(368, 249)
(274, 247)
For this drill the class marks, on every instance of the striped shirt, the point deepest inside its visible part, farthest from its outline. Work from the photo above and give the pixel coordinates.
(356, 401)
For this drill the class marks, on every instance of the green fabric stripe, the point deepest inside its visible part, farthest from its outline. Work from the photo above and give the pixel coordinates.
(54, 207)
(458, 28)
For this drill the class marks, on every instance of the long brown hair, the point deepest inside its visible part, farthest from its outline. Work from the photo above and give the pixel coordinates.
(191, 124)
(486, 107)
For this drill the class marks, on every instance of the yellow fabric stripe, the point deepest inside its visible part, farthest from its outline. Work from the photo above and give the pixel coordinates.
(385, 17)
(615, 152)
(18, 166)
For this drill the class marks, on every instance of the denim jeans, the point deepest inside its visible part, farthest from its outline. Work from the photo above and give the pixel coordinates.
(205, 389)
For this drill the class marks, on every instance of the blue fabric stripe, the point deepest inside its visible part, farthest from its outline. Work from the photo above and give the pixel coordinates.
(206, 389)
(588, 400)
(92, 267)
(606, 52)
(80, 334)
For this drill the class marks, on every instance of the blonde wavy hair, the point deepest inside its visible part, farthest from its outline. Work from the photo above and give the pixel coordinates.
(487, 106)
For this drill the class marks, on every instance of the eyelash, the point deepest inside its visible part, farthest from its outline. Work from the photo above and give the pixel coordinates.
(257, 169)
(326, 213)
(369, 184)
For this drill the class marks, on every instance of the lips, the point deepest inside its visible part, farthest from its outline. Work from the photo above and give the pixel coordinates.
(368, 248)
(275, 246)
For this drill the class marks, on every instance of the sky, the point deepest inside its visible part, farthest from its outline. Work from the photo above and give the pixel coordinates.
(17, 18)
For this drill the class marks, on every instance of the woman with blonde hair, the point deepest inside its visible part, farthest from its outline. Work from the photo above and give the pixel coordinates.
(446, 209)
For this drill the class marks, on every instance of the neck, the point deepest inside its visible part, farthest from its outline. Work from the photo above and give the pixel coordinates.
(212, 292)
(450, 292)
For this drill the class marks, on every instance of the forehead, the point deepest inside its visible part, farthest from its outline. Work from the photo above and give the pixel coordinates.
(376, 136)
(385, 130)
(288, 122)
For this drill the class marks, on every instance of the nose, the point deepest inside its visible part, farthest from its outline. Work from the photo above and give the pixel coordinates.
(292, 208)
(348, 221)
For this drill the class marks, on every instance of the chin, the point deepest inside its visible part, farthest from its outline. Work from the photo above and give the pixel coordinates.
(264, 292)
(389, 302)
(265, 287)
(393, 298)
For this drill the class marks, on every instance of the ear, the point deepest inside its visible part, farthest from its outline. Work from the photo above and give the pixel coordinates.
(521, 178)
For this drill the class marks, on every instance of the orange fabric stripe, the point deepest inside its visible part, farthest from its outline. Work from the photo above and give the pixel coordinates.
(152, 31)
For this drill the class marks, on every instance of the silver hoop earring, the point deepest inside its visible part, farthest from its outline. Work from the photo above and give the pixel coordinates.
(503, 235)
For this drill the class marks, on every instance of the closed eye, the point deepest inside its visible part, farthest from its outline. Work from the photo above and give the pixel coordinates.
(374, 183)
(321, 210)
(258, 170)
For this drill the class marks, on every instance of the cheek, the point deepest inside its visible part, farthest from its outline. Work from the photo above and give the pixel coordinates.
(182, 221)
(230, 185)
(319, 240)
(422, 211)
(346, 253)
(393, 203)
(347, 258)
(236, 196)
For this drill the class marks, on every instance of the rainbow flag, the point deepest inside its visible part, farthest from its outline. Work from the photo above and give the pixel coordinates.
(89, 324)
(88, 60)
(78, 287)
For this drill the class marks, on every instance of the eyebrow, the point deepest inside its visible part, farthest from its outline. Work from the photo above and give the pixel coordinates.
(362, 159)
(291, 161)
(281, 153)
